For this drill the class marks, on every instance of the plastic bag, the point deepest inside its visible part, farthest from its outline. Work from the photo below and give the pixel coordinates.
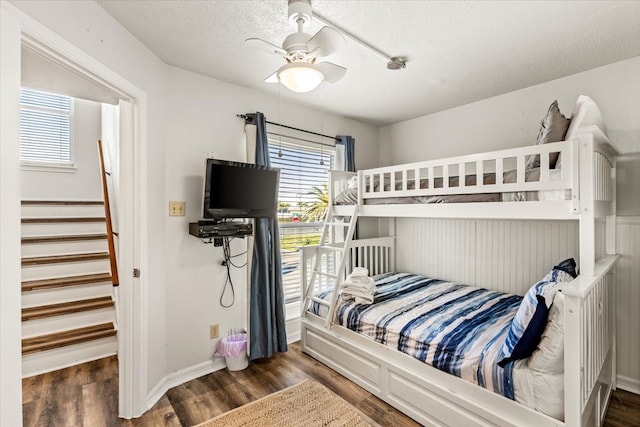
(232, 345)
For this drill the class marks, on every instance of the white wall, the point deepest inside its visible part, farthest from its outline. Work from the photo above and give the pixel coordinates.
(87, 26)
(512, 120)
(10, 332)
(187, 116)
(82, 183)
(202, 118)
(628, 282)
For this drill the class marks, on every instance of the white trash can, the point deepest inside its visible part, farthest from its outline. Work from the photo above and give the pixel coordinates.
(234, 350)
(237, 363)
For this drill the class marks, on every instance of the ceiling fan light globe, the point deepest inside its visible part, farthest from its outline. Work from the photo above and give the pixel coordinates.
(300, 77)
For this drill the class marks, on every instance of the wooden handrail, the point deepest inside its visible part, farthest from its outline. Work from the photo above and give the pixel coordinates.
(107, 212)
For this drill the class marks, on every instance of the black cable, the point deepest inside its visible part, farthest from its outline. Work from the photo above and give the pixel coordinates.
(228, 263)
(228, 259)
(228, 281)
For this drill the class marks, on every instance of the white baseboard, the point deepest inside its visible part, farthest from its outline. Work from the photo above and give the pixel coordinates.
(628, 384)
(182, 376)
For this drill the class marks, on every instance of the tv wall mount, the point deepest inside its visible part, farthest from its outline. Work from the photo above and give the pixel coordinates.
(216, 230)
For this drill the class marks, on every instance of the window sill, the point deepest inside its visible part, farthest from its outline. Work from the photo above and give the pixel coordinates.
(48, 167)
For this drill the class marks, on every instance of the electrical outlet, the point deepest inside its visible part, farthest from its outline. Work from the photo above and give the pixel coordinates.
(214, 331)
(176, 208)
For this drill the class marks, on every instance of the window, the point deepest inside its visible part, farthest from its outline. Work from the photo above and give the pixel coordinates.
(45, 128)
(302, 202)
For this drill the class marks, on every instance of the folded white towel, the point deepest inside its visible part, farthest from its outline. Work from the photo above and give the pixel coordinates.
(359, 272)
(360, 297)
(359, 279)
(361, 283)
(358, 286)
(365, 300)
(369, 289)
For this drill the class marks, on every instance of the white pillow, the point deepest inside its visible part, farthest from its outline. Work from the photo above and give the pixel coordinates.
(585, 113)
(543, 392)
(549, 356)
(353, 182)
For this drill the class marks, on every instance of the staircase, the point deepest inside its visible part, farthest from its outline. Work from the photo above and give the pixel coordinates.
(68, 310)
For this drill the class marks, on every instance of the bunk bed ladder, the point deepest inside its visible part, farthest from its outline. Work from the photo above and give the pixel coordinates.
(332, 228)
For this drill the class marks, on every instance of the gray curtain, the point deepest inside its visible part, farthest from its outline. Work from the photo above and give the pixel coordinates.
(349, 143)
(267, 333)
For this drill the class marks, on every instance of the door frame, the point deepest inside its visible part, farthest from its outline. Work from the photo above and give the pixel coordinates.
(132, 322)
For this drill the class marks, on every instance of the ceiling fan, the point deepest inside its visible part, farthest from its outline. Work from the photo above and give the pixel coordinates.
(303, 72)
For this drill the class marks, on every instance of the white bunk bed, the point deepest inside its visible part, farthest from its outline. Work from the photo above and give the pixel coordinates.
(429, 395)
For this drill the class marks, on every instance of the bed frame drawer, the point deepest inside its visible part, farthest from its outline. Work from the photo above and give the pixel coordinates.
(352, 365)
(433, 408)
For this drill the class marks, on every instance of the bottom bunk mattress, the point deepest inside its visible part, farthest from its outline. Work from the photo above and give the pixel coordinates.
(456, 328)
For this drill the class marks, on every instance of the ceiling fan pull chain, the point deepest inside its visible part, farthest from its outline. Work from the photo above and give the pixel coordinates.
(280, 117)
(321, 123)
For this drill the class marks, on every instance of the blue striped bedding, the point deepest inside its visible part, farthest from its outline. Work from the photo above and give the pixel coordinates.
(456, 328)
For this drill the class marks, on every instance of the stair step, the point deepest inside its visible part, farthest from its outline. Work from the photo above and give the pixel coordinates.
(63, 238)
(65, 338)
(56, 248)
(60, 282)
(61, 202)
(339, 224)
(60, 309)
(56, 259)
(53, 220)
(59, 228)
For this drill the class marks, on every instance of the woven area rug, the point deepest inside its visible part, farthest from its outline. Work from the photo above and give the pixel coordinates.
(306, 404)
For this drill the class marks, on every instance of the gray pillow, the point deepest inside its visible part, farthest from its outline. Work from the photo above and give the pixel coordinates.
(347, 197)
(553, 128)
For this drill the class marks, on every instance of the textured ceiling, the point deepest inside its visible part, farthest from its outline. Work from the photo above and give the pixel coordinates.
(458, 51)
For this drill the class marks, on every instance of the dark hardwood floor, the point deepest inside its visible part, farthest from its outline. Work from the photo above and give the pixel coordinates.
(87, 395)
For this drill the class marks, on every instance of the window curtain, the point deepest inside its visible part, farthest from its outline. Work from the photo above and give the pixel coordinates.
(267, 333)
(347, 144)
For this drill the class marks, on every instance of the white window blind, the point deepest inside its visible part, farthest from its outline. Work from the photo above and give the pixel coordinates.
(302, 202)
(45, 127)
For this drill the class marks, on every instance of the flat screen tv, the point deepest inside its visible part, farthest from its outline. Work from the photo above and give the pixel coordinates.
(240, 190)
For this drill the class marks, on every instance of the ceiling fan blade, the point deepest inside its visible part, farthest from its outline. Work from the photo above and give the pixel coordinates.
(263, 44)
(332, 72)
(273, 78)
(326, 41)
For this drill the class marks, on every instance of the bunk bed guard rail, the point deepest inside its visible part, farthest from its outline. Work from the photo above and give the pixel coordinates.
(377, 254)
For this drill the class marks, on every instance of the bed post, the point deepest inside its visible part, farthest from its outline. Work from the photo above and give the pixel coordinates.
(587, 218)
(361, 184)
(573, 369)
(611, 249)
(611, 219)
